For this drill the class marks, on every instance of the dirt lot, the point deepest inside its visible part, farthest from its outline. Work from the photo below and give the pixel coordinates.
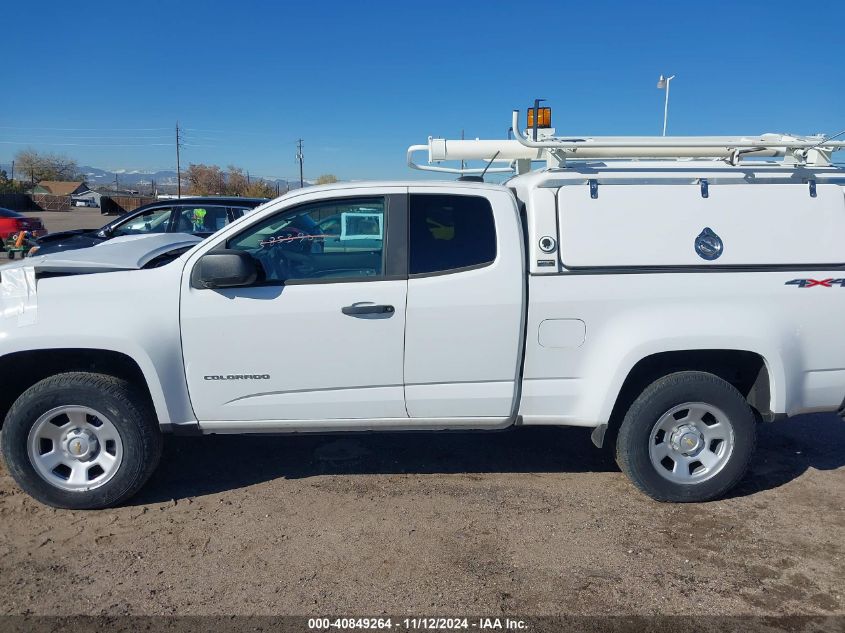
(530, 521)
(78, 218)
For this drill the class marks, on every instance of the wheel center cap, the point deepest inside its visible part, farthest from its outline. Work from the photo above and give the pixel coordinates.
(80, 444)
(687, 440)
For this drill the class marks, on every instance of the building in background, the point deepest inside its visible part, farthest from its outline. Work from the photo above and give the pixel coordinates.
(88, 198)
(61, 187)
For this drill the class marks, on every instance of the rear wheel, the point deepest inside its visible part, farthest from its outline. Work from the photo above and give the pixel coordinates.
(688, 437)
(81, 441)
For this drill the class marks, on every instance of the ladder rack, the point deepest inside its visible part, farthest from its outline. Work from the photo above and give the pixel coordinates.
(516, 155)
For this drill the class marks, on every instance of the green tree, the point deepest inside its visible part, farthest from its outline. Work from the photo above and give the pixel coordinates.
(5, 183)
(205, 180)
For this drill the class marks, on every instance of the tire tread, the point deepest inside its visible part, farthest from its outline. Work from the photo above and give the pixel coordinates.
(628, 429)
(132, 403)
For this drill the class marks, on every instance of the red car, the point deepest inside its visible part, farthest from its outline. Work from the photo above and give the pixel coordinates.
(12, 222)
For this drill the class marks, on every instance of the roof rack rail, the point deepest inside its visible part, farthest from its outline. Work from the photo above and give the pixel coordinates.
(519, 153)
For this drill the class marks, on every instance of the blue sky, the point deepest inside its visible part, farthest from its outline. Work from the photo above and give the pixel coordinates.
(105, 82)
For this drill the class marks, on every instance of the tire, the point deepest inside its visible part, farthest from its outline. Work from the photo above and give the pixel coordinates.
(103, 416)
(687, 410)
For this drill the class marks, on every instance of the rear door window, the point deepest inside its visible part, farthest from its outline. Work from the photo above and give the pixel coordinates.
(200, 219)
(450, 233)
(239, 212)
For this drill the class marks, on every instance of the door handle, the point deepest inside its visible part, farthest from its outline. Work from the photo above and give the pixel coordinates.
(356, 309)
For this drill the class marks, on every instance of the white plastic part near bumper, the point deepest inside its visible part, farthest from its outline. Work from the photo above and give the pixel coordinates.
(18, 296)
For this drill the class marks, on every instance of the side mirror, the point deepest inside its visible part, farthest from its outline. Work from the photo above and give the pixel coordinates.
(224, 269)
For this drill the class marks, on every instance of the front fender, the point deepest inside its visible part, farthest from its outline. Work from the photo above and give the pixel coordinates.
(134, 313)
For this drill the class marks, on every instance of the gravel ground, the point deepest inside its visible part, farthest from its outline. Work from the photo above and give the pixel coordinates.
(78, 218)
(529, 521)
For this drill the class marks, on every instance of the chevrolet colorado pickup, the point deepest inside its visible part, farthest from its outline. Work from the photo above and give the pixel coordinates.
(670, 306)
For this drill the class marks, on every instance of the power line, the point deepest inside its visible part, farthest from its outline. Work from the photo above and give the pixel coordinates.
(235, 132)
(87, 144)
(86, 129)
(63, 137)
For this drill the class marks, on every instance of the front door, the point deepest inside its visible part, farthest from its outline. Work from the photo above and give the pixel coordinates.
(320, 336)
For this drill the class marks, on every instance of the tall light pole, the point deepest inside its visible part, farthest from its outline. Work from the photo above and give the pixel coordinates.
(662, 83)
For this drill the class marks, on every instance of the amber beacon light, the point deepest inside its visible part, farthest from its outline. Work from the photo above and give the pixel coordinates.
(544, 118)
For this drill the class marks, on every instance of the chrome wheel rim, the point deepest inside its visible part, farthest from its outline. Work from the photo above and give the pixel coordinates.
(691, 443)
(75, 448)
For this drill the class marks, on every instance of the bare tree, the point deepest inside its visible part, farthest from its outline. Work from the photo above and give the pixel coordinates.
(261, 189)
(38, 167)
(210, 180)
(326, 179)
(237, 182)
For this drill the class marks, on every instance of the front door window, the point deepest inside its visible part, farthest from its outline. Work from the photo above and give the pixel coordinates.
(333, 239)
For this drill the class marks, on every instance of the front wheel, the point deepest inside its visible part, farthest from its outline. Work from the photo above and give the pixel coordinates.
(81, 441)
(688, 437)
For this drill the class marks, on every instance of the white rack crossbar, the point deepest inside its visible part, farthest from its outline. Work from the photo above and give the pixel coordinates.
(517, 154)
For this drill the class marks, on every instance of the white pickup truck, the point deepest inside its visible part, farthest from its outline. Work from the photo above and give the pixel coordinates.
(668, 304)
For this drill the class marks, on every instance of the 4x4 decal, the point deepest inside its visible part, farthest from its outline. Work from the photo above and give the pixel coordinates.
(810, 283)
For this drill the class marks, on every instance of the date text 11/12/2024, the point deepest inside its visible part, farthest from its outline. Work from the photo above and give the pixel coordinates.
(421, 623)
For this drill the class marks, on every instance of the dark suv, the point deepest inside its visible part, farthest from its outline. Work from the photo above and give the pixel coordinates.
(196, 216)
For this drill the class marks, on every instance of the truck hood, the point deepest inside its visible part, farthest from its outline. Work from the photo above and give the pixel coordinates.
(129, 252)
(18, 280)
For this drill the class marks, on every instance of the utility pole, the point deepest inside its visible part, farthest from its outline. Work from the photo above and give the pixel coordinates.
(299, 157)
(178, 164)
(13, 172)
(116, 186)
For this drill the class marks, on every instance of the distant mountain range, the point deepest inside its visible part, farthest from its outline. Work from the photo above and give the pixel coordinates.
(125, 179)
(141, 181)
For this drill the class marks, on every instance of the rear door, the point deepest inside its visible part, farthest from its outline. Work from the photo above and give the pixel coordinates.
(464, 320)
(200, 219)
